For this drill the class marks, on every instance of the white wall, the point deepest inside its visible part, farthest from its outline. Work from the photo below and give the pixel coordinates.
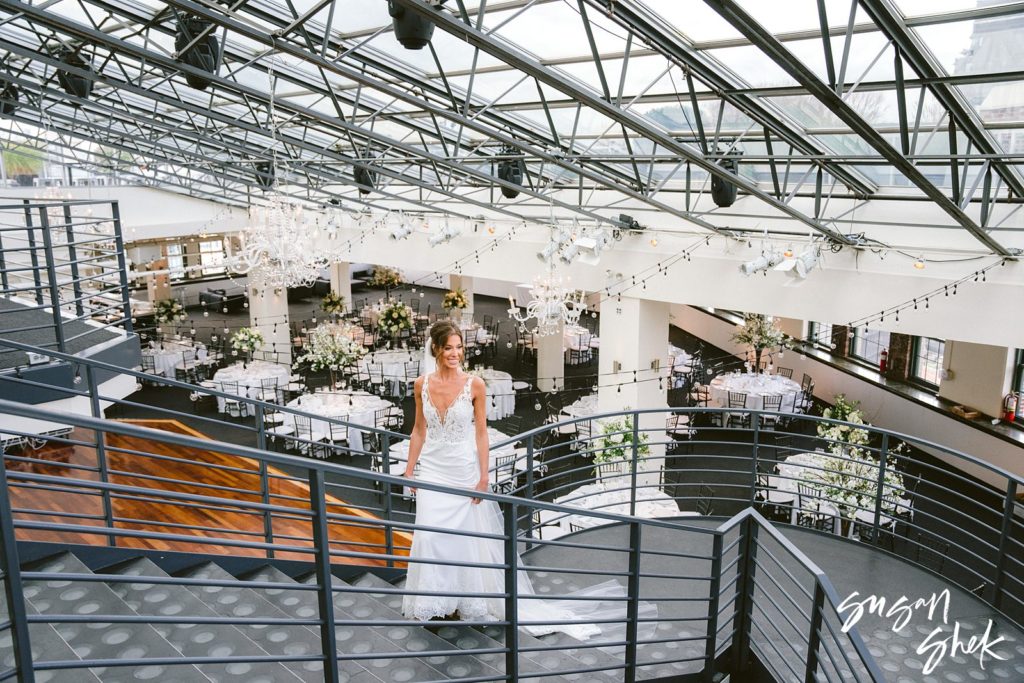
(981, 375)
(881, 408)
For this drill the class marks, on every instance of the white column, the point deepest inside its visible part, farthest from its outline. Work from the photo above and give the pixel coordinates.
(634, 336)
(551, 361)
(465, 283)
(268, 313)
(341, 281)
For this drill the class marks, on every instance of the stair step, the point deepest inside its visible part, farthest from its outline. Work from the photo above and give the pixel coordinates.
(551, 660)
(383, 639)
(46, 645)
(470, 637)
(100, 640)
(195, 640)
(277, 640)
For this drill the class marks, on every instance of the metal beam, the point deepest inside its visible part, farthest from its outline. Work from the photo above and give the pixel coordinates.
(767, 43)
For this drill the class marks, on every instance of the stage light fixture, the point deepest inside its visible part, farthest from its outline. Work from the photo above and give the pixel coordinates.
(447, 233)
(767, 259)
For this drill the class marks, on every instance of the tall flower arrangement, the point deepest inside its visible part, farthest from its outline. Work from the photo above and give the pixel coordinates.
(616, 443)
(333, 303)
(394, 318)
(759, 332)
(386, 279)
(329, 349)
(248, 341)
(454, 300)
(168, 311)
(844, 439)
(851, 483)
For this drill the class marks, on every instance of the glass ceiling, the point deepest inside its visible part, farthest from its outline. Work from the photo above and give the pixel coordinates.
(906, 100)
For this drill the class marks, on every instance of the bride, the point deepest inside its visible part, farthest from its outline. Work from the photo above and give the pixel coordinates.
(449, 441)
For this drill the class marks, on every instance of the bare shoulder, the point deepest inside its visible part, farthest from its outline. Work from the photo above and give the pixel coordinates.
(477, 385)
(418, 384)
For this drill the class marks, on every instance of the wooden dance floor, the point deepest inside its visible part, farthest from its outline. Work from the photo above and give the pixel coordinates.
(213, 525)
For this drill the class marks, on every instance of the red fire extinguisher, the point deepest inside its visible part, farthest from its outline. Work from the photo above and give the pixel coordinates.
(883, 361)
(1010, 406)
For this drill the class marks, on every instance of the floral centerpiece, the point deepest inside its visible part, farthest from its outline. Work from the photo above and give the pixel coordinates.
(394, 318)
(168, 311)
(247, 341)
(844, 439)
(386, 279)
(615, 446)
(760, 332)
(454, 300)
(851, 483)
(333, 303)
(329, 349)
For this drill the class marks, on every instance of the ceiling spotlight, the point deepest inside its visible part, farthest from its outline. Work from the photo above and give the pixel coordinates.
(590, 246)
(73, 83)
(547, 253)
(723, 191)
(446, 234)
(767, 259)
(800, 266)
(919, 263)
(201, 53)
(511, 171)
(401, 231)
(412, 30)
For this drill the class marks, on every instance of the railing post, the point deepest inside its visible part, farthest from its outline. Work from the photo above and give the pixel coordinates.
(714, 604)
(511, 555)
(633, 604)
(12, 586)
(3, 266)
(122, 267)
(51, 276)
(325, 596)
(1004, 538)
(883, 458)
(529, 485)
(32, 252)
(76, 283)
(814, 637)
(389, 509)
(101, 453)
(268, 517)
(636, 463)
(755, 424)
(745, 595)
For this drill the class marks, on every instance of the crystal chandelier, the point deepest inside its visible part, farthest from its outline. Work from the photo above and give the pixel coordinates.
(278, 244)
(551, 304)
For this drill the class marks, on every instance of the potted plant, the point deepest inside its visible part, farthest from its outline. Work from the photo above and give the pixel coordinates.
(24, 164)
(331, 350)
(613, 451)
(454, 300)
(247, 341)
(386, 279)
(759, 332)
(333, 304)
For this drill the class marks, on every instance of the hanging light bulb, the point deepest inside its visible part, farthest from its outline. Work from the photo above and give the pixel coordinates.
(919, 263)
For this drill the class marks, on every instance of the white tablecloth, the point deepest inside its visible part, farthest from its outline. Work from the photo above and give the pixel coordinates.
(167, 355)
(756, 387)
(651, 503)
(802, 467)
(581, 407)
(250, 378)
(356, 407)
(501, 397)
(400, 454)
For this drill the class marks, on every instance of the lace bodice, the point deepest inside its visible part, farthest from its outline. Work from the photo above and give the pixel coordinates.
(457, 425)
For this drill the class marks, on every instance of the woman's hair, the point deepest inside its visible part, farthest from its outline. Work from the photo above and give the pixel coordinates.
(439, 334)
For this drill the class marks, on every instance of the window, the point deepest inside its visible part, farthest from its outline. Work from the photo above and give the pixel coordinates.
(868, 344)
(820, 334)
(926, 363)
(211, 256)
(175, 261)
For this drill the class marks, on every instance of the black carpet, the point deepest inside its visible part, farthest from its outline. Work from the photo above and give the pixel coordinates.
(24, 324)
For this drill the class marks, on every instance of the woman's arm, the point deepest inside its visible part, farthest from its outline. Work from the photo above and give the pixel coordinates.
(483, 446)
(419, 431)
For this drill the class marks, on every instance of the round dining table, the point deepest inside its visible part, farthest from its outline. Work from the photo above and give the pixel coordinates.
(756, 387)
(167, 355)
(355, 407)
(249, 377)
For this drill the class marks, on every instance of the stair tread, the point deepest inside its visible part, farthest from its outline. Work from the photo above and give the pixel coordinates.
(99, 640)
(283, 640)
(195, 640)
(47, 645)
(368, 639)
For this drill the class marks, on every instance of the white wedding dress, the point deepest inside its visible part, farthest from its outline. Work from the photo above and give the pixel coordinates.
(449, 457)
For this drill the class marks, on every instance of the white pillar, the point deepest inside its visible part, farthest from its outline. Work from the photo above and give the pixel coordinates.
(551, 361)
(465, 283)
(341, 281)
(268, 313)
(634, 337)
